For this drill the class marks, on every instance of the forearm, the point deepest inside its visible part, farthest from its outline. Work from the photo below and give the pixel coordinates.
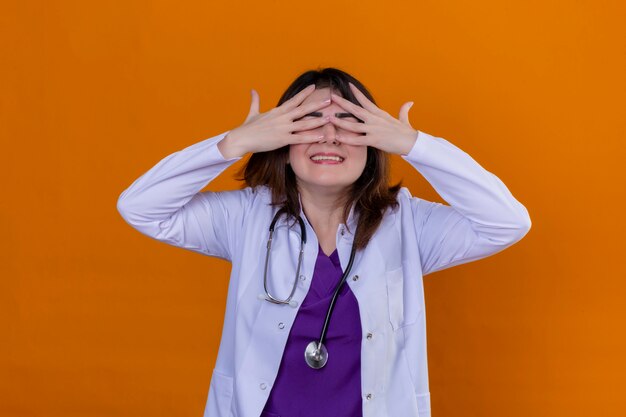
(474, 192)
(172, 182)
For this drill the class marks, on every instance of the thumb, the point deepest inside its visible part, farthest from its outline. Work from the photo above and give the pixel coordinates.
(254, 105)
(404, 113)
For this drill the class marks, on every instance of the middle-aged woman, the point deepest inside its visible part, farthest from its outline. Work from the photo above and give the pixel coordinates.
(325, 311)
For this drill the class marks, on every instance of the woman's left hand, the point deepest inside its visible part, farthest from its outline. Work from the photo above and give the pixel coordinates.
(380, 129)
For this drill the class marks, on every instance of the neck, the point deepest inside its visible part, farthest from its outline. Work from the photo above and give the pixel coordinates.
(323, 210)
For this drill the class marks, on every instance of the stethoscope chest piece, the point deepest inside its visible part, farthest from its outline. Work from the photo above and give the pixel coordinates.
(316, 358)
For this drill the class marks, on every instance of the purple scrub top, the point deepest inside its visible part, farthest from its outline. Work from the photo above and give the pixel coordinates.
(335, 389)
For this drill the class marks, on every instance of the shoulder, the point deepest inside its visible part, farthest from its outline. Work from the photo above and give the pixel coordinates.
(403, 198)
(245, 198)
(404, 194)
(407, 200)
(403, 213)
(393, 213)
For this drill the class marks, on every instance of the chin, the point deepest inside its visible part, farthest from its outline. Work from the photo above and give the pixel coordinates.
(331, 184)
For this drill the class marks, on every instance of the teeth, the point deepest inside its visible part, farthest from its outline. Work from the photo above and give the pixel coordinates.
(326, 158)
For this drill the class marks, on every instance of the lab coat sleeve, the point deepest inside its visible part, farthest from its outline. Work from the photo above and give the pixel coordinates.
(166, 204)
(483, 217)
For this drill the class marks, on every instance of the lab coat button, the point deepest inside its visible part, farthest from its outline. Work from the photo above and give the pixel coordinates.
(354, 278)
(281, 325)
(368, 396)
(369, 335)
(263, 385)
(302, 278)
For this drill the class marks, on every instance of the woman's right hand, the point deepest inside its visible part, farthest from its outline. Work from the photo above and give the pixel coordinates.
(274, 129)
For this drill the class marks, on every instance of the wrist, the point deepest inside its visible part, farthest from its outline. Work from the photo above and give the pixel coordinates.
(409, 143)
(228, 147)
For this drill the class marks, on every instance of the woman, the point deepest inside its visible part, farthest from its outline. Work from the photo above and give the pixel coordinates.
(325, 313)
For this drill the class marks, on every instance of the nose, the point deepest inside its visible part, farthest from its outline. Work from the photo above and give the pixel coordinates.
(330, 134)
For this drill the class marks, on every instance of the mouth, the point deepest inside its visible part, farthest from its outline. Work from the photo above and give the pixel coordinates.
(326, 158)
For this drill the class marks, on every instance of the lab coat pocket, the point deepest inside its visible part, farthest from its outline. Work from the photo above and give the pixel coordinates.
(222, 387)
(396, 298)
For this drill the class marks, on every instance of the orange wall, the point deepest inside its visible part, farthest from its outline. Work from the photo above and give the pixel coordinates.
(99, 320)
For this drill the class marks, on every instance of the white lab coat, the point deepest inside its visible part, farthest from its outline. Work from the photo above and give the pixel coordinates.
(418, 238)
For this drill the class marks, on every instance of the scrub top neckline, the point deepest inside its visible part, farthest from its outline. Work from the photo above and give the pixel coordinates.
(334, 256)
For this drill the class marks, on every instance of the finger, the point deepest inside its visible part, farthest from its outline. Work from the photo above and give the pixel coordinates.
(404, 113)
(350, 126)
(361, 140)
(309, 124)
(305, 109)
(254, 104)
(295, 139)
(296, 100)
(349, 106)
(364, 101)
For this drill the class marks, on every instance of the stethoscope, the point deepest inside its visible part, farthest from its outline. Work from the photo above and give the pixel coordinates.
(315, 354)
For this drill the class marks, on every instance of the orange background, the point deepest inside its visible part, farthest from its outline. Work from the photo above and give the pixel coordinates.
(99, 320)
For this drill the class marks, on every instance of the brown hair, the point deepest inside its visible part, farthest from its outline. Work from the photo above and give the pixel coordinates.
(370, 193)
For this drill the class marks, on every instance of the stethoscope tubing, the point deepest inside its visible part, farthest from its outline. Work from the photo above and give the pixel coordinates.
(269, 297)
(336, 294)
(316, 353)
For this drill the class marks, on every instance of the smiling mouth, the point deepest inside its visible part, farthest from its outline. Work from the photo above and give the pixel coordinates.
(327, 158)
